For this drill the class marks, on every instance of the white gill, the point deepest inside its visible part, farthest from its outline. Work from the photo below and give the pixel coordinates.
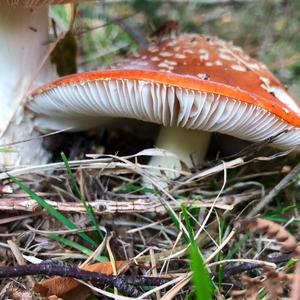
(82, 106)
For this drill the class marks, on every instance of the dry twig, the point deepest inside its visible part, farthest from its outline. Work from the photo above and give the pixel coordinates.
(143, 205)
(281, 185)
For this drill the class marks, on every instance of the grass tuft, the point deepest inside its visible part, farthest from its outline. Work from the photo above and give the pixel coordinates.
(201, 279)
(77, 246)
(60, 217)
(98, 234)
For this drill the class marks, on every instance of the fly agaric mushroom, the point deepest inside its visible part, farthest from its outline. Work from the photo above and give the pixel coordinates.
(190, 84)
(24, 66)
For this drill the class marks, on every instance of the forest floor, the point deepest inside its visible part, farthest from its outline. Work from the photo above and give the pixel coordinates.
(93, 208)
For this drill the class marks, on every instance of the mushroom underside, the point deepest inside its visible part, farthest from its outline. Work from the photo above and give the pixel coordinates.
(84, 106)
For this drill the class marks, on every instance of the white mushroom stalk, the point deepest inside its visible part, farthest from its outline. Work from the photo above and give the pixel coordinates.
(189, 146)
(23, 53)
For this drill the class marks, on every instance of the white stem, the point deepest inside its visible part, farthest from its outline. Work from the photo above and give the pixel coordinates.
(189, 146)
(23, 48)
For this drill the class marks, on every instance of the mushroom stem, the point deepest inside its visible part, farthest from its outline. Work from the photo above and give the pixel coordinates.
(24, 47)
(188, 145)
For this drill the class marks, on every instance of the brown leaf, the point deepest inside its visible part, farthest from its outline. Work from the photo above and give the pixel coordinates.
(274, 231)
(68, 288)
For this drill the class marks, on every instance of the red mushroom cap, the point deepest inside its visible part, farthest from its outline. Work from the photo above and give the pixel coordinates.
(231, 81)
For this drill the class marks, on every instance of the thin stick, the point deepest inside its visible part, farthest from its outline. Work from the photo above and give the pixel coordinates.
(281, 185)
(20, 259)
(125, 284)
(102, 206)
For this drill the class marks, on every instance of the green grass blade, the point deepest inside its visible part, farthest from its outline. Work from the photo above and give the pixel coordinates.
(125, 188)
(78, 194)
(76, 246)
(188, 225)
(201, 279)
(237, 247)
(7, 149)
(69, 224)
(72, 178)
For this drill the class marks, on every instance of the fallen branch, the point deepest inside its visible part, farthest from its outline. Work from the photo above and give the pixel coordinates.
(125, 284)
(231, 270)
(142, 205)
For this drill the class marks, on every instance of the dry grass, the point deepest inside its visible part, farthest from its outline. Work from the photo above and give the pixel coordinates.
(141, 228)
